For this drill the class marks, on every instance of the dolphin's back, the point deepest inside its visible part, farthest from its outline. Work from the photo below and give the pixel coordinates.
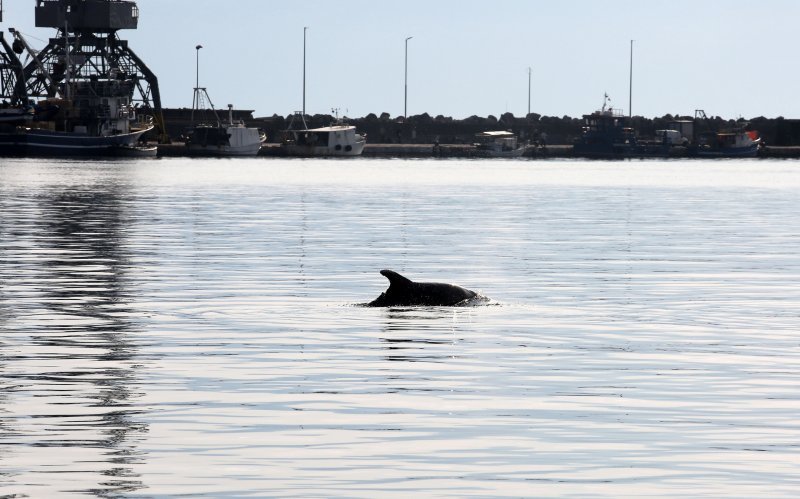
(396, 279)
(404, 292)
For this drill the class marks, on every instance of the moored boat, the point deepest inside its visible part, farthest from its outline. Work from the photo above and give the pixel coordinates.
(88, 115)
(218, 139)
(97, 121)
(606, 134)
(214, 138)
(737, 142)
(729, 144)
(499, 144)
(337, 139)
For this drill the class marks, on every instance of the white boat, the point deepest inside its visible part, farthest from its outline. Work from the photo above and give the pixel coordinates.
(138, 151)
(333, 140)
(219, 139)
(215, 138)
(338, 139)
(499, 144)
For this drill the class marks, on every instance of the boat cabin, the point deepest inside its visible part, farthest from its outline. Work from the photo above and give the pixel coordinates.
(502, 140)
(334, 139)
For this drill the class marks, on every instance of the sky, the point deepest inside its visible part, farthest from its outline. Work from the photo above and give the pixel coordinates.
(732, 58)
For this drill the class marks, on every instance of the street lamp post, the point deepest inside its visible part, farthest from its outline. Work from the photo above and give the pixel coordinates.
(405, 105)
(196, 99)
(197, 66)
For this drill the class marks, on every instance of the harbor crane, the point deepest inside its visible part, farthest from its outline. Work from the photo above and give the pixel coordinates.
(87, 48)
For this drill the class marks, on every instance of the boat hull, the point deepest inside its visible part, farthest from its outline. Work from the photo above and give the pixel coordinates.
(330, 141)
(35, 142)
(513, 153)
(603, 151)
(750, 151)
(323, 151)
(224, 141)
(223, 150)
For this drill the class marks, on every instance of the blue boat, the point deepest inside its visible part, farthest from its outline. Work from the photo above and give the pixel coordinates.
(739, 143)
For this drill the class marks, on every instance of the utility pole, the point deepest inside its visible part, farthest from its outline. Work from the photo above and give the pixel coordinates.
(529, 89)
(630, 86)
(305, 28)
(405, 105)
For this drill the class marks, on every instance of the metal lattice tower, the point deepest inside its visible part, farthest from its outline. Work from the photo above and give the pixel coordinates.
(88, 48)
(11, 85)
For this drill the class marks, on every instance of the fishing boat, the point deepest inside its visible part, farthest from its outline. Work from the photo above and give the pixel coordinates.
(87, 115)
(732, 144)
(97, 121)
(337, 139)
(213, 137)
(224, 139)
(738, 143)
(499, 144)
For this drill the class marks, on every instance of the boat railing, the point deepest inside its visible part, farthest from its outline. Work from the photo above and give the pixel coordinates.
(612, 112)
(145, 121)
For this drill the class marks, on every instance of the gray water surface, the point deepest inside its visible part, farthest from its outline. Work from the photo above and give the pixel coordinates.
(191, 327)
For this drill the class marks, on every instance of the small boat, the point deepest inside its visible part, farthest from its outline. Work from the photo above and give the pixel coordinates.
(736, 143)
(231, 139)
(338, 139)
(730, 144)
(499, 144)
(138, 151)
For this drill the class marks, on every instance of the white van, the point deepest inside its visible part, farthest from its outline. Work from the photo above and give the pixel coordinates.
(671, 137)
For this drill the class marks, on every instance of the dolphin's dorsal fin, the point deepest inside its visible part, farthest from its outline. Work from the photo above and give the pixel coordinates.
(396, 279)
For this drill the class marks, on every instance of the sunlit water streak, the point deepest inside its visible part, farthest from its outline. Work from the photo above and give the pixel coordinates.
(180, 327)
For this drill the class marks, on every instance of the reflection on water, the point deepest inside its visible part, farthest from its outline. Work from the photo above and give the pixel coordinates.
(188, 328)
(68, 358)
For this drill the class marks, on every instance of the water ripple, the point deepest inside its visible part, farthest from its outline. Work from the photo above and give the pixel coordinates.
(187, 328)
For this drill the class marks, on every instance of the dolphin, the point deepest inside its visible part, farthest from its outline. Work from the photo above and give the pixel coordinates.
(404, 292)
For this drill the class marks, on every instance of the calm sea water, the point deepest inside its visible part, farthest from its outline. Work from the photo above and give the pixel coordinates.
(192, 328)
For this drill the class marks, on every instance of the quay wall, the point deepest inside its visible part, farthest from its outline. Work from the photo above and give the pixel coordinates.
(537, 129)
(178, 149)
